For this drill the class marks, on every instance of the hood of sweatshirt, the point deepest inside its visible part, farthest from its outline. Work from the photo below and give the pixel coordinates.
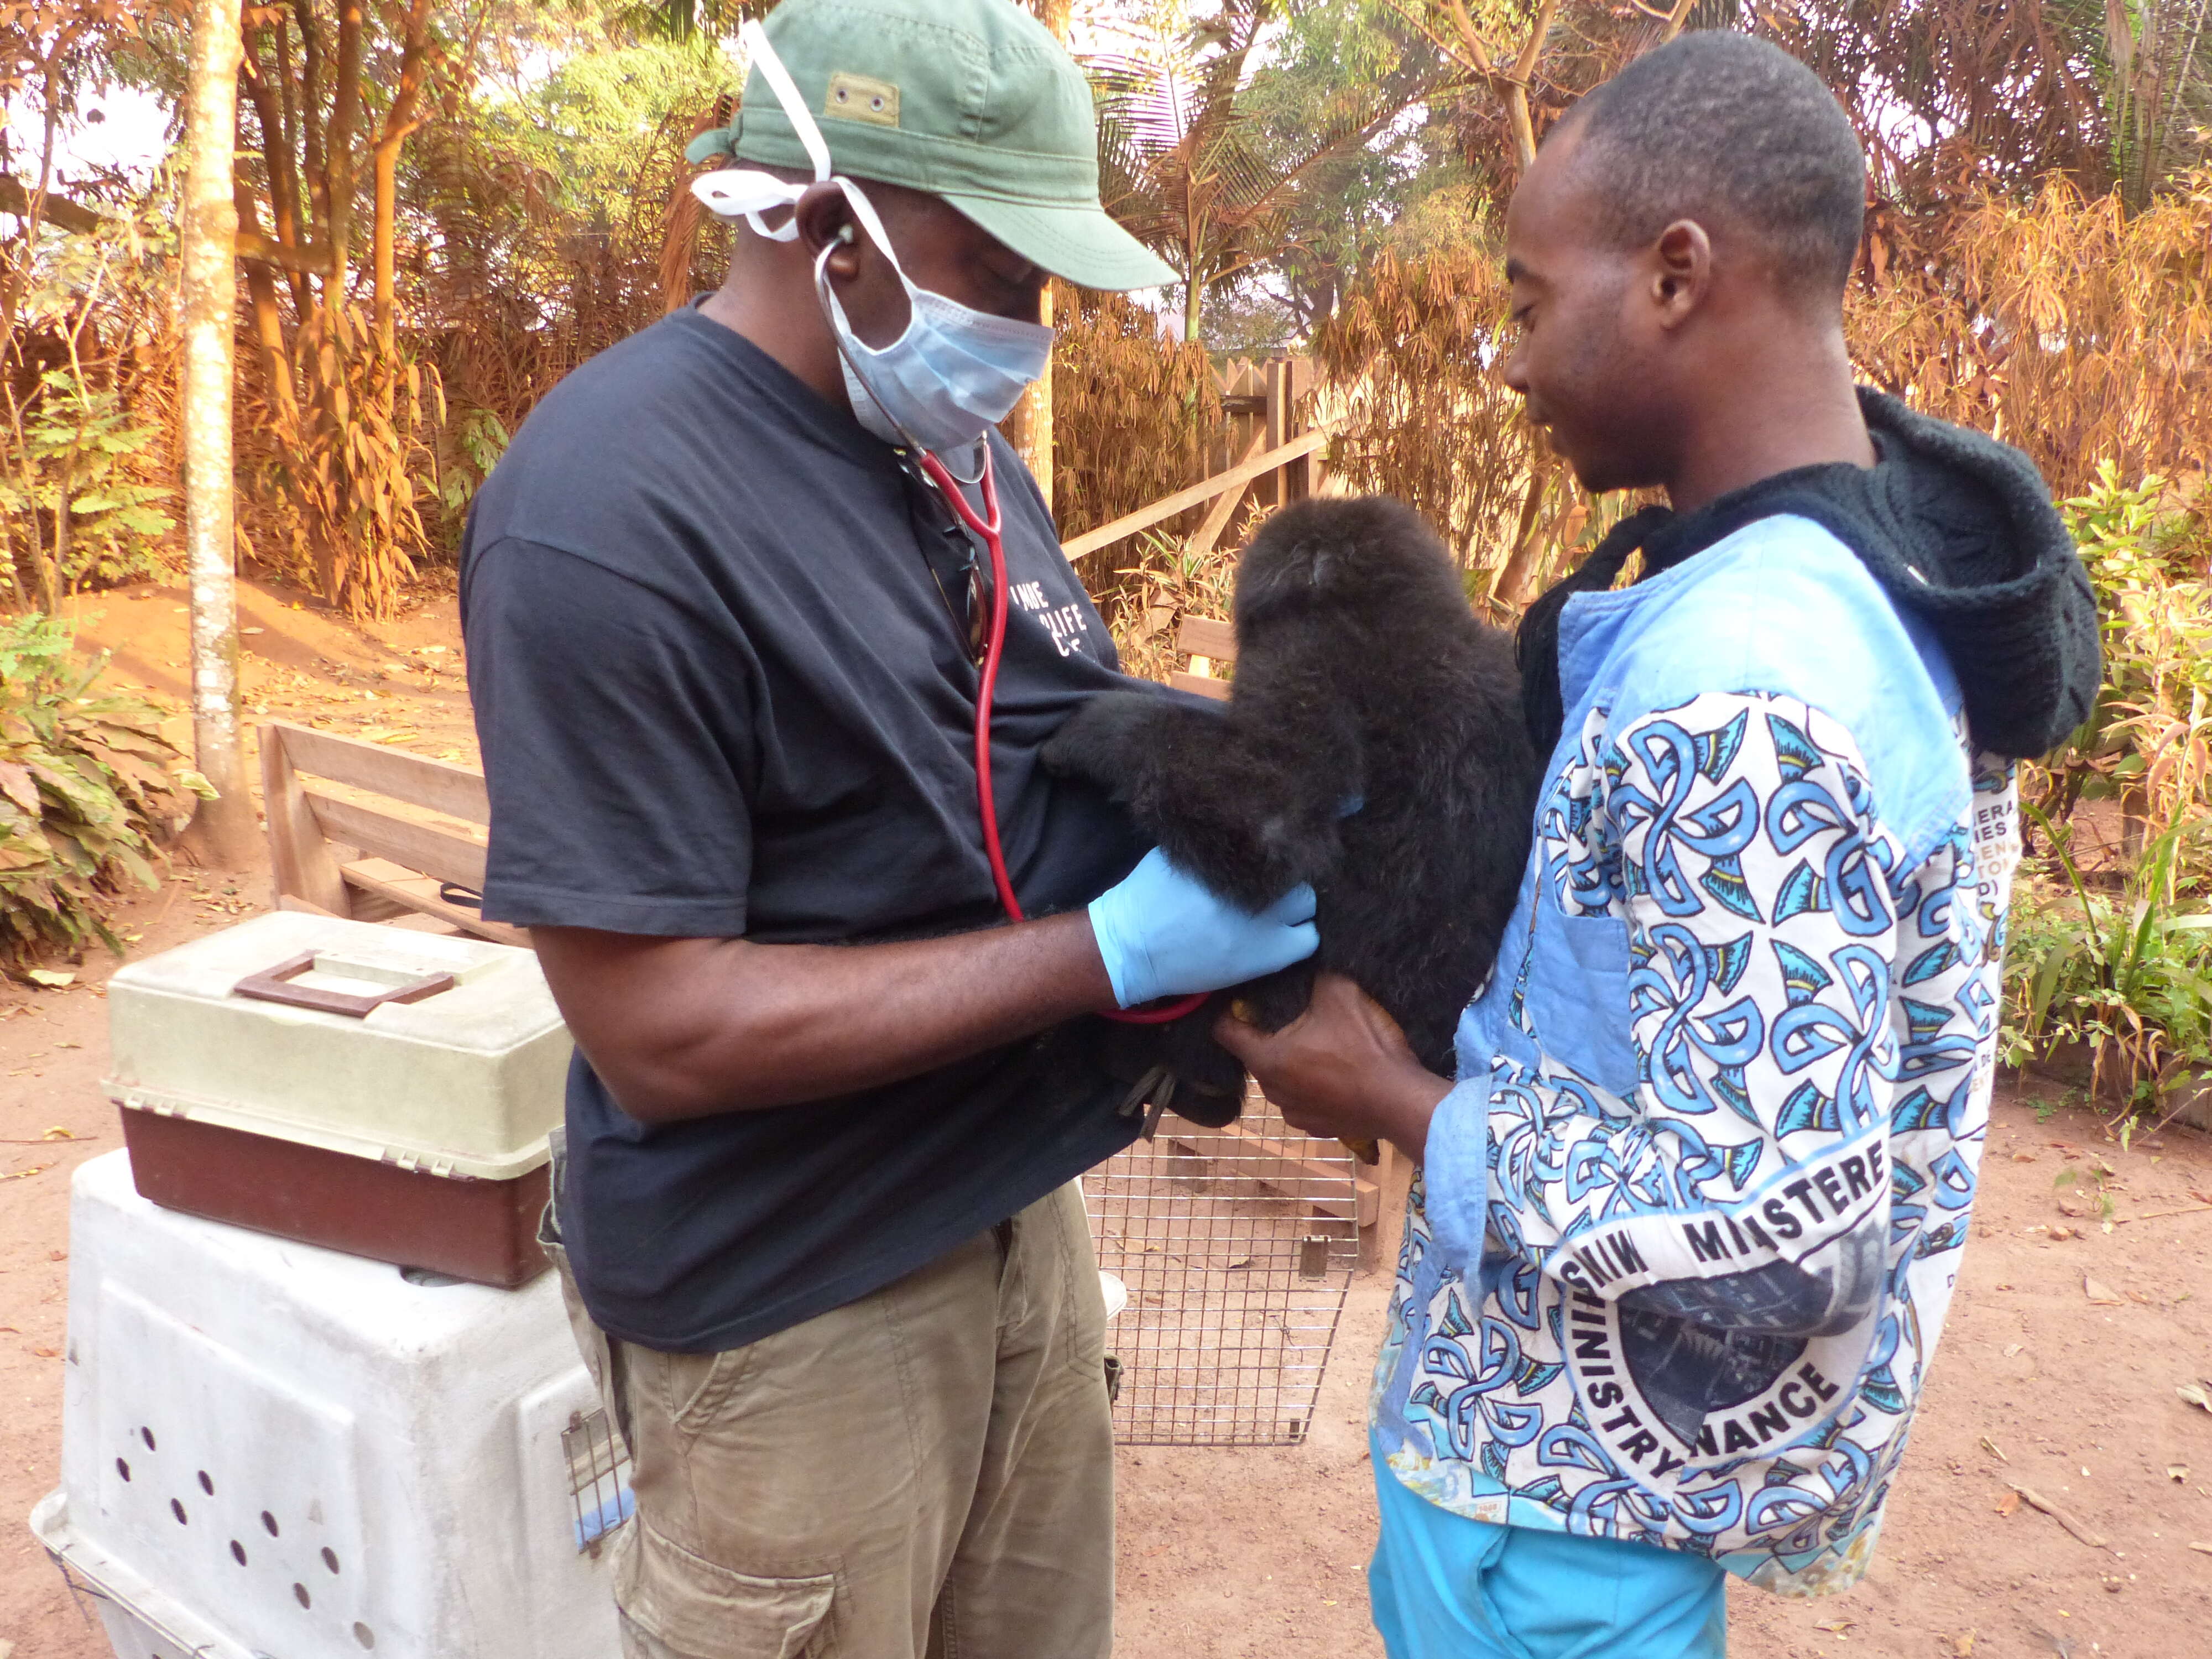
(1959, 530)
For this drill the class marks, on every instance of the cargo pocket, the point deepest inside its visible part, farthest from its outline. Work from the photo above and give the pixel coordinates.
(697, 1610)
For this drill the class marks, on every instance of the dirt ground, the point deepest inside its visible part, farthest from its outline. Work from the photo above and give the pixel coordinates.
(2083, 1307)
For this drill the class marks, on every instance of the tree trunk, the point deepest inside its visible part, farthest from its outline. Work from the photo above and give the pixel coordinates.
(270, 113)
(207, 250)
(1029, 428)
(399, 122)
(1511, 587)
(260, 281)
(268, 327)
(337, 161)
(312, 152)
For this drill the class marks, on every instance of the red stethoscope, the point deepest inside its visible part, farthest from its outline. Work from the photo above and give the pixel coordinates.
(986, 527)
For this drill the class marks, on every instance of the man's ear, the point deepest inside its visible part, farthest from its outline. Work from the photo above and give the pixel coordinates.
(1681, 272)
(824, 216)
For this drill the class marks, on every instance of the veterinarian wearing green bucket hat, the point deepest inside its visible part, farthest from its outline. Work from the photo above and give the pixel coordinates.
(816, 1211)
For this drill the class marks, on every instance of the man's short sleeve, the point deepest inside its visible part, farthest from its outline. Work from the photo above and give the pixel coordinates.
(617, 740)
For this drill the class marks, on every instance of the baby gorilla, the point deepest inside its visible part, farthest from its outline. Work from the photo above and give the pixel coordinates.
(1373, 744)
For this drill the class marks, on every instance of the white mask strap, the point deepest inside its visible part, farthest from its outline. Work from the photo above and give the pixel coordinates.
(747, 192)
(754, 40)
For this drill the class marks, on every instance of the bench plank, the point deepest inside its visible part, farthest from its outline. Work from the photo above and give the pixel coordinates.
(403, 888)
(300, 858)
(1204, 684)
(456, 791)
(439, 853)
(1207, 636)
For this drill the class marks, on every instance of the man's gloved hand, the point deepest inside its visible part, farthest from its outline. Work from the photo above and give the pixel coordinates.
(1163, 933)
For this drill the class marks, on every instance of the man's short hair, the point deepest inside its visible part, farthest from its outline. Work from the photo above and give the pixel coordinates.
(1719, 126)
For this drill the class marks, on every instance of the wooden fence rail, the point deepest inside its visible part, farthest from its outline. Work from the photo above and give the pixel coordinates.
(1306, 443)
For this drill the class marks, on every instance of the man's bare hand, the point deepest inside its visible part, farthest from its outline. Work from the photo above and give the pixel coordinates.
(1341, 1068)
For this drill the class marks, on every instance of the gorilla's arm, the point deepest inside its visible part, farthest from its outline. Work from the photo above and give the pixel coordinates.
(1247, 809)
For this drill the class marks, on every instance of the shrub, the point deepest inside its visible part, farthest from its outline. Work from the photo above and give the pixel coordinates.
(89, 789)
(2124, 979)
(2148, 743)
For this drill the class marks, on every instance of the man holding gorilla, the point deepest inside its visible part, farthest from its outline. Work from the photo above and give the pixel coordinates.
(1689, 1218)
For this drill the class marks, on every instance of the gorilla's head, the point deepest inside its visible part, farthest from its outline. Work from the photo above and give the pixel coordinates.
(1360, 560)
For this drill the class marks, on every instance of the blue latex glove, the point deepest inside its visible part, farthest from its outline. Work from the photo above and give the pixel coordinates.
(1163, 933)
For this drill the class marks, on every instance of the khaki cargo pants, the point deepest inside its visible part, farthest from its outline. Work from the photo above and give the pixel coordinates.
(927, 1472)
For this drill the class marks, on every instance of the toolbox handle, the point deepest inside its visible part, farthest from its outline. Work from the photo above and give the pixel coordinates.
(275, 985)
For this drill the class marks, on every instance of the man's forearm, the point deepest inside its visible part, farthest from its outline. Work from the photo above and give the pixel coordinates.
(688, 1028)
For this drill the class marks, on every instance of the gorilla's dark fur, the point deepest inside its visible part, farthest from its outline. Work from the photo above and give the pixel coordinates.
(1363, 682)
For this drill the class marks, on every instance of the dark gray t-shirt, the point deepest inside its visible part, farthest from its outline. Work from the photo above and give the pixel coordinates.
(717, 647)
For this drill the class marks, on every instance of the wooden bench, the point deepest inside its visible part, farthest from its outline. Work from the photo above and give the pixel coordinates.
(1206, 641)
(337, 854)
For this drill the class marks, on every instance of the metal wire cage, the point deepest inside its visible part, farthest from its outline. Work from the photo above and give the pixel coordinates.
(598, 1478)
(1237, 1246)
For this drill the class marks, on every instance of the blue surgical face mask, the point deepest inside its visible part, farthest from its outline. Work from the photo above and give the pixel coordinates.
(954, 372)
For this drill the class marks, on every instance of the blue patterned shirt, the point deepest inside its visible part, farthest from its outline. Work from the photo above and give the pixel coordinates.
(1690, 1220)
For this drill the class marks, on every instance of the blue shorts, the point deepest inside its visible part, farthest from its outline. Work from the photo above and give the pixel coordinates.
(1446, 1587)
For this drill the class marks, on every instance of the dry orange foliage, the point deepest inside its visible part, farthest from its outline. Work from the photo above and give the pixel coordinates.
(1135, 416)
(2064, 324)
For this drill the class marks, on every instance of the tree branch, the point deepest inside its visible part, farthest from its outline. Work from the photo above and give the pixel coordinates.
(58, 210)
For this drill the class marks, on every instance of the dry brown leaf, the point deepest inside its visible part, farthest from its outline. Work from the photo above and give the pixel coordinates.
(2100, 1294)
(15, 785)
(2009, 1503)
(1833, 1626)
(2036, 1500)
(2177, 1471)
(2196, 1395)
(1962, 1646)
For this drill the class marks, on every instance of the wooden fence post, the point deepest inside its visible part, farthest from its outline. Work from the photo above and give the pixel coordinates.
(1289, 381)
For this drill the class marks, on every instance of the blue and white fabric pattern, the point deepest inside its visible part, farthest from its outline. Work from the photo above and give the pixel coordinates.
(1690, 1220)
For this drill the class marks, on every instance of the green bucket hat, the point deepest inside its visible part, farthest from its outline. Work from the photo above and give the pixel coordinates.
(970, 99)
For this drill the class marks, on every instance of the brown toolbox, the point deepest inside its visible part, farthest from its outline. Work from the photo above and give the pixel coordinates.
(372, 1090)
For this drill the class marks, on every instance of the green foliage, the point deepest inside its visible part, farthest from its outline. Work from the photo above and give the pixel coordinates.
(88, 790)
(584, 128)
(2126, 978)
(2150, 740)
(1207, 155)
(84, 406)
(78, 455)
(477, 439)
(1343, 62)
